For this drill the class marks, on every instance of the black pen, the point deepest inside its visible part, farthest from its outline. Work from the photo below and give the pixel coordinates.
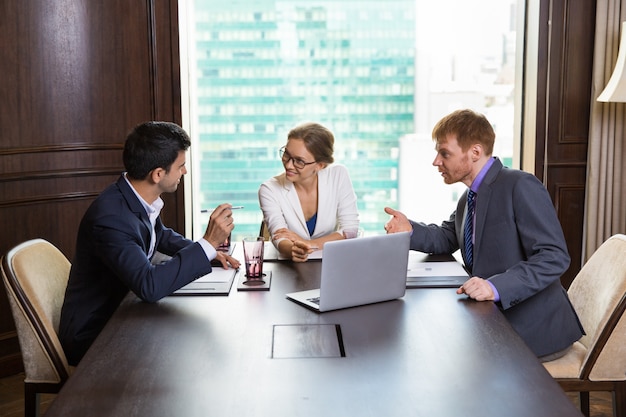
(232, 208)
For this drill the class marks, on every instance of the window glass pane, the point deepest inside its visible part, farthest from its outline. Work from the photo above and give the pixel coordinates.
(378, 74)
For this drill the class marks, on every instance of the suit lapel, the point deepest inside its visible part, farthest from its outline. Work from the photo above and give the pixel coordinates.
(482, 202)
(323, 177)
(291, 197)
(460, 222)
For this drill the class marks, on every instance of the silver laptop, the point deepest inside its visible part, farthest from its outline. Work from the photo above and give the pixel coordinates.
(359, 271)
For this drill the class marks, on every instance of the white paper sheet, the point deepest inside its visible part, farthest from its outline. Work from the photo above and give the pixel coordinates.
(270, 253)
(435, 269)
(218, 274)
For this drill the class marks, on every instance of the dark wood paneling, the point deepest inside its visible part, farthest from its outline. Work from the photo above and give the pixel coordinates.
(563, 109)
(77, 75)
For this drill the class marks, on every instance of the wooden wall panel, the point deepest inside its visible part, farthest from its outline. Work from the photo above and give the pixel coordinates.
(563, 109)
(77, 75)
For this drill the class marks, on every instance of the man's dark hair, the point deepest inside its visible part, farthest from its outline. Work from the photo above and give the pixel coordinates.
(153, 145)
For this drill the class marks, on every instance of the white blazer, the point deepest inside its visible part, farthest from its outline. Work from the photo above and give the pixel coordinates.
(336, 204)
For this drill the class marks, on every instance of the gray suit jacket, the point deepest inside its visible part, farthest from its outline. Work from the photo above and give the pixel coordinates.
(520, 248)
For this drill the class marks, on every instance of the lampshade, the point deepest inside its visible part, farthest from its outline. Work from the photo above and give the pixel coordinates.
(615, 90)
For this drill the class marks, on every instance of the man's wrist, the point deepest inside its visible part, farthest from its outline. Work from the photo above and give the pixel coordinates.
(208, 247)
(496, 295)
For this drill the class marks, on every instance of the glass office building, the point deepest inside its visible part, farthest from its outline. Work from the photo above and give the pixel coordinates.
(379, 74)
(263, 66)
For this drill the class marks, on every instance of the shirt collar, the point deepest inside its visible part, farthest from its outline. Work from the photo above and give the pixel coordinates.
(150, 208)
(481, 175)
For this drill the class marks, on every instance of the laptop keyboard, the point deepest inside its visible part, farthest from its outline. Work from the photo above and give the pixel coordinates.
(314, 300)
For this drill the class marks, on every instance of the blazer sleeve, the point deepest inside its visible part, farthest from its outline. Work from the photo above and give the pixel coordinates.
(169, 241)
(280, 205)
(524, 247)
(435, 239)
(118, 241)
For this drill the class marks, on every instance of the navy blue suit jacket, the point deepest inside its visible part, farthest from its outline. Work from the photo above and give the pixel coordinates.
(112, 258)
(520, 248)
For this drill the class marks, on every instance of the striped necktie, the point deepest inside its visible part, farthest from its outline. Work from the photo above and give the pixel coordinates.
(469, 230)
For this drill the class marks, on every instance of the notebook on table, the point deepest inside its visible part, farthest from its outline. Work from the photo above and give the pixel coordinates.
(218, 282)
(359, 271)
(434, 271)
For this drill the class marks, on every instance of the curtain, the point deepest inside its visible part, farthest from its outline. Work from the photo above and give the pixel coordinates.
(605, 200)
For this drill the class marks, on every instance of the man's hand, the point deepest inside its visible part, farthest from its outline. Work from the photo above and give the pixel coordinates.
(221, 224)
(477, 289)
(398, 222)
(226, 260)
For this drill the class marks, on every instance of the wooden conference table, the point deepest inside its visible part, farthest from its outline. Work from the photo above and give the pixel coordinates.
(430, 353)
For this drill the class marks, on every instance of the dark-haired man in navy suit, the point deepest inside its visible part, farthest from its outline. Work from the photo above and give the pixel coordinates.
(121, 231)
(515, 252)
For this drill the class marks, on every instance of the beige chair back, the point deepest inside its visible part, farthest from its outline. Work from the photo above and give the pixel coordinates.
(598, 294)
(35, 274)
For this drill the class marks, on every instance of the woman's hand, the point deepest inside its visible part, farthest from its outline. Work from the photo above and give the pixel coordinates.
(285, 234)
(301, 249)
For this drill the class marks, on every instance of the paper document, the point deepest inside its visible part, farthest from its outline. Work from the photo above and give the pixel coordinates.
(435, 269)
(218, 282)
(270, 253)
(218, 274)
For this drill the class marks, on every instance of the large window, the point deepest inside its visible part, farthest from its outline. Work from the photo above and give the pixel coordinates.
(378, 74)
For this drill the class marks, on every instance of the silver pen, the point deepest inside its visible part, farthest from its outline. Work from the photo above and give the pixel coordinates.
(211, 210)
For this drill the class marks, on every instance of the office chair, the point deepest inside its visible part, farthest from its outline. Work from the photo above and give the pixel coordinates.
(264, 231)
(35, 274)
(597, 362)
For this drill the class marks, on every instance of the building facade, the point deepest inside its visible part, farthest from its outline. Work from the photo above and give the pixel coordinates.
(263, 67)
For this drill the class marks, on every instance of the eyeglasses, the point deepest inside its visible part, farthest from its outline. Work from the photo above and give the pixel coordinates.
(297, 162)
